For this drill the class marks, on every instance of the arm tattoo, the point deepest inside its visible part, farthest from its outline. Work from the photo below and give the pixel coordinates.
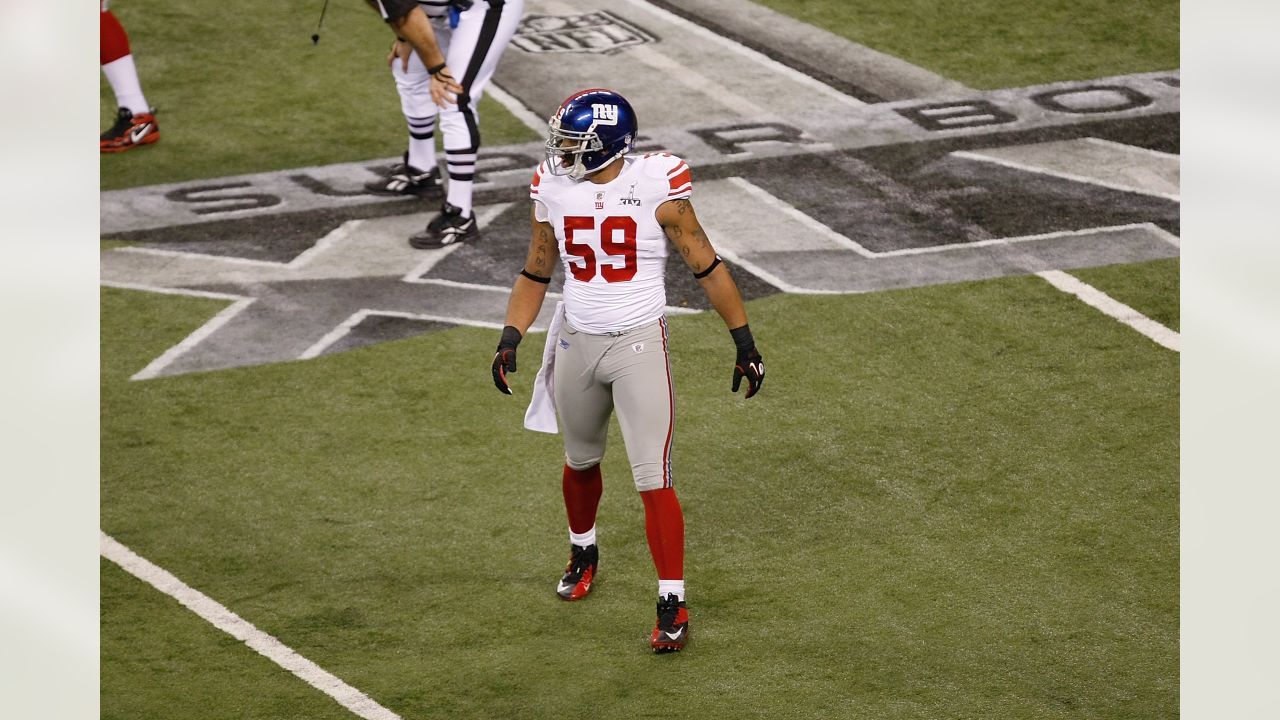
(701, 237)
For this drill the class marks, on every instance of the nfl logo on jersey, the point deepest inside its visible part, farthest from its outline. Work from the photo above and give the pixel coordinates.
(600, 200)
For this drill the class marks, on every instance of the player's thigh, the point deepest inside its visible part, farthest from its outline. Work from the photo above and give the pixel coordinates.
(481, 37)
(644, 398)
(583, 405)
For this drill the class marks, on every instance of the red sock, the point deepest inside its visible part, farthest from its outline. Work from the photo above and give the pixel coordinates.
(664, 525)
(114, 43)
(582, 489)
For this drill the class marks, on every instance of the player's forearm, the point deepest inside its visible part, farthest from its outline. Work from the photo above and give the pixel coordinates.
(723, 293)
(525, 303)
(415, 28)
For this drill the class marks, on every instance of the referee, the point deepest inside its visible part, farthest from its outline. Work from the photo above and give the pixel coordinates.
(458, 44)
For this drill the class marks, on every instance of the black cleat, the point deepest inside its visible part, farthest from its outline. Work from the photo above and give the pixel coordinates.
(673, 625)
(405, 179)
(579, 573)
(447, 228)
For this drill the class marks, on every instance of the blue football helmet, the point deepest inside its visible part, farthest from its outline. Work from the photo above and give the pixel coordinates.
(591, 129)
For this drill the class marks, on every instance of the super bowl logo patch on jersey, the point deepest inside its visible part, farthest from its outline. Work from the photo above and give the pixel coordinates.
(631, 198)
(595, 32)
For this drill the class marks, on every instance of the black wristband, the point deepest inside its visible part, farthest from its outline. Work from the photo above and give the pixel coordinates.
(704, 273)
(742, 338)
(535, 278)
(511, 337)
(433, 71)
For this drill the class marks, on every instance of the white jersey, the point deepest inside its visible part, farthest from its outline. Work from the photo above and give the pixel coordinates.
(613, 250)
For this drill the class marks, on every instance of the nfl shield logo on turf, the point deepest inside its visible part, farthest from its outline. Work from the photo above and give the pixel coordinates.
(595, 32)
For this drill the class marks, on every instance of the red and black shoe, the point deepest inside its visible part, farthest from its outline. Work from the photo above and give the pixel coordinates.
(673, 625)
(579, 573)
(130, 131)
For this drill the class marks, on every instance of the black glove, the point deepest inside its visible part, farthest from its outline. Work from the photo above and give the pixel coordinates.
(504, 360)
(749, 363)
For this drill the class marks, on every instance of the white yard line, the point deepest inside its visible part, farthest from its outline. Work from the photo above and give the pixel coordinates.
(239, 628)
(1099, 300)
(1064, 175)
(518, 109)
(759, 58)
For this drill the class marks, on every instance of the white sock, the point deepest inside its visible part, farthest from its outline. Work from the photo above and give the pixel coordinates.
(671, 587)
(461, 165)
(123, 76)
(585, 539)
(422, 142)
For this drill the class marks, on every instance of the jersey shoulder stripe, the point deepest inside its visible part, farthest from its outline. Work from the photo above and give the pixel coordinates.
(537, 180)
(672, 171)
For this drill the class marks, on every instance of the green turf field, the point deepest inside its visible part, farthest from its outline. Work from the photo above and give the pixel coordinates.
(967, 508)
(996, 43)
(950, 502)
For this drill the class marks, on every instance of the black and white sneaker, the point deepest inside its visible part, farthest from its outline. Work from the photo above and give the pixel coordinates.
(405, 179)
(447, 228)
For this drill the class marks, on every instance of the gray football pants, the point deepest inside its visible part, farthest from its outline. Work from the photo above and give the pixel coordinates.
(630, 371)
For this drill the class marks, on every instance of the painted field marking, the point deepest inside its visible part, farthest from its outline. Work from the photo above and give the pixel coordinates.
(330, 239)
(1111, 307)
(1014, 165)
(518, 109)
(1133, 148)
(757, 57)
(239, 628)
(827, 232)
(224, 316)
(346, 326)
(431, 258)
(711, 87)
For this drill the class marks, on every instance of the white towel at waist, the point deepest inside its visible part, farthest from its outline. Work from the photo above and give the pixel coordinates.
(541, 415)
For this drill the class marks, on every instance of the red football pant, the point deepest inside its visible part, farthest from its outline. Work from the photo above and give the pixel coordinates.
(582, 490)
(664, 526)
(114, 42)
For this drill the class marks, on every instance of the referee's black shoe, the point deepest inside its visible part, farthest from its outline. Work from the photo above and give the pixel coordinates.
(405, 179)
(447, 228)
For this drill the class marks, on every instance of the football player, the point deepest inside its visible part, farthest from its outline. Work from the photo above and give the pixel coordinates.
(135, 124)
(607, 217)
(472, 34)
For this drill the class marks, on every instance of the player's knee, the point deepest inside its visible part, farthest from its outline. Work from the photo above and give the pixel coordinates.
(649, 476)
(583, 461)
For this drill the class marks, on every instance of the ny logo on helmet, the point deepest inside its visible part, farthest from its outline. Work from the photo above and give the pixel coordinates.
(604, 114)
